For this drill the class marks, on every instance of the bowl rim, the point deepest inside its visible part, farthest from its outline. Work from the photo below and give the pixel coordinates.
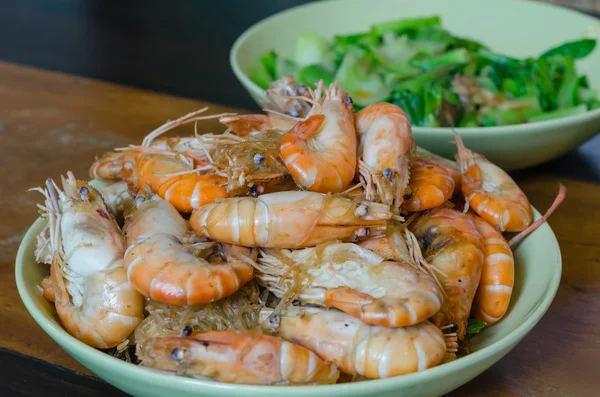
(56, 331)
(468, 131)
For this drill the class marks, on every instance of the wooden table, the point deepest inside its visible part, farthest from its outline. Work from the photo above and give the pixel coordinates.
(51, 123)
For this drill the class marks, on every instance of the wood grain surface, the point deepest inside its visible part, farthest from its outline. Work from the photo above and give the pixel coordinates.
(51, 123)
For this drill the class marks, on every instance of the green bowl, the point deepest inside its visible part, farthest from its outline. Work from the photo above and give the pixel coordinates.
(514, 27)
(537, 275)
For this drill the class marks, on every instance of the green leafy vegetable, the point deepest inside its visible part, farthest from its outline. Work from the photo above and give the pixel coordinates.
(311, 49)
(266, 70)
(365, 88)
(558, 113)
(455, 57)
(437, 78)
(567, 92)
(411, 103)
(574, 49)
(313, 73)
(470, 45)
(285, 67)
(526, 107)
(475, 326)
(403, 25)
(395, 50)
(433, 97)
(417, 83)
(497, 59)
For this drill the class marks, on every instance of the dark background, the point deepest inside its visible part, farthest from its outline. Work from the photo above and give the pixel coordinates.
(178, 47)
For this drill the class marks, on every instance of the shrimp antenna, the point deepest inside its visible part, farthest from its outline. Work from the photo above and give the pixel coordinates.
(560, 197)
(303, 98)
(283, 115)
(188, 118)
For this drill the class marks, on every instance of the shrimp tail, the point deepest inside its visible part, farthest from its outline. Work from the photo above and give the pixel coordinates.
(382, 312)
(560, 197)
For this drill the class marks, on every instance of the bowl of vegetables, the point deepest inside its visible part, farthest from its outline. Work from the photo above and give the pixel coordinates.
(518, 80)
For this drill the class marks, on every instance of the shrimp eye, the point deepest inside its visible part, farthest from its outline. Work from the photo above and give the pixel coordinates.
(361, 210)
(348, 100)
(177, 354)
(387, 173)
(363, 232)
(258, 158)
(294, 113)
(187, 331)
(274, 321)
(407, 196)
(428, 237)
(84, 191)
(302, 89)
(254, 191)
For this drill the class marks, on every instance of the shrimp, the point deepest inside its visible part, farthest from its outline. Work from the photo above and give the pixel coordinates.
(161, 267)
(48, 289)
(286, 102)
(386, 147)
(43, 248)
(247, 162)
(356, 281)
(173, 178)
(246, 124)
(391, 247)
(117, 198)
(491, 192)
(440, 161)
(285, 96)
(110, 165)
(358, 348)
(497, 275)
(452, 244)
(237, 357)
(430, 184)
(320, 151)
(289, 219)
(93, 299)
(560, 197)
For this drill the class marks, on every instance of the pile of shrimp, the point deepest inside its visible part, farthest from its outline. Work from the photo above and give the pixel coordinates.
(305, 245)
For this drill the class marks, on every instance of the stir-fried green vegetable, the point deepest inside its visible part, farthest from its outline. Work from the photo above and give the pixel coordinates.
(475, 326)
(439, 79)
